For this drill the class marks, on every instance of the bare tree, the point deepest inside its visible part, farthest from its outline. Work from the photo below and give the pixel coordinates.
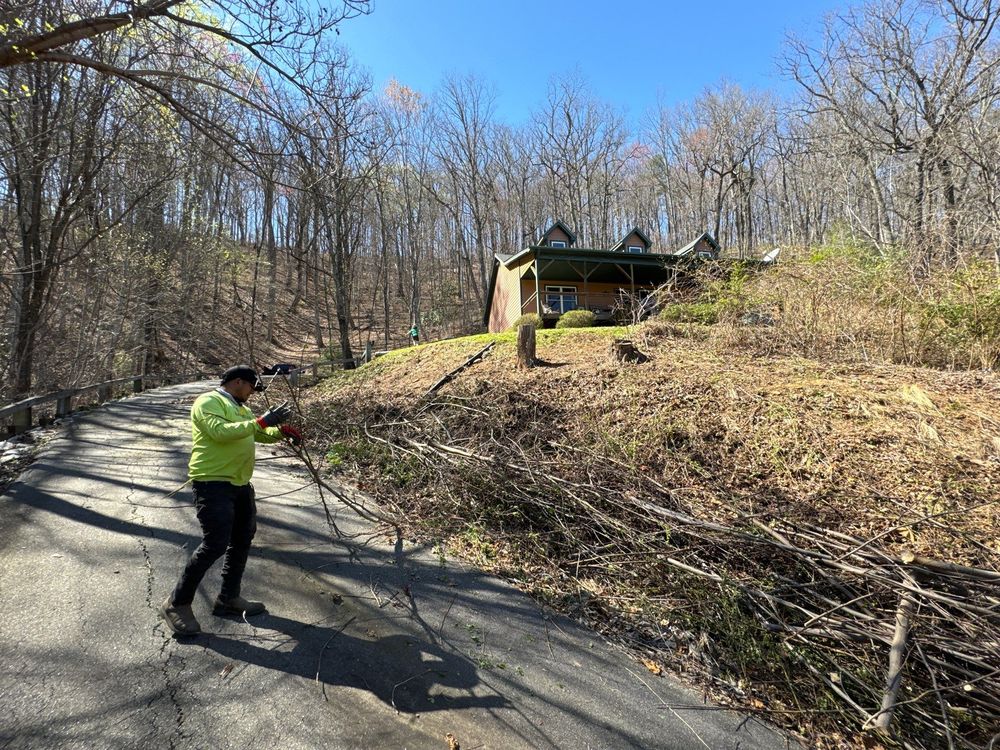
(897, 76)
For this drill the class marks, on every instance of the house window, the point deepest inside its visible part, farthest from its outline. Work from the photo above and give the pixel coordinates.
(557, 243)
(560, 299)
(705, 254)
(634, 249)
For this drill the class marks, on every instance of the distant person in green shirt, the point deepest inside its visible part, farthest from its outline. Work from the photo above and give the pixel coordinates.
(414, 335)
(223, 434)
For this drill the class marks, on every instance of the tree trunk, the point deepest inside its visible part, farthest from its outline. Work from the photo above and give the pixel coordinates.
(526, 346)
(272, 259)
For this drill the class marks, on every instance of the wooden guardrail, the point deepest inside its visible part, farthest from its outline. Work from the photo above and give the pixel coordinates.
(20, 412)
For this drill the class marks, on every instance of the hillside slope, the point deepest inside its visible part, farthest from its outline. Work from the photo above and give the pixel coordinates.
(647, 499)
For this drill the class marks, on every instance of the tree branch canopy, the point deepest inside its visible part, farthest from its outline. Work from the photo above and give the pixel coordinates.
(24, 50)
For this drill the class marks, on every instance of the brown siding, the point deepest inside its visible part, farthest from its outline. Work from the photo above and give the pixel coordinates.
(634, 239)
(528, 295)
(506, 300)
(556, 234)
(704, 246)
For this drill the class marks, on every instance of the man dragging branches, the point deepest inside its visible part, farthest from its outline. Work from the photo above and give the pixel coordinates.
(223, 432)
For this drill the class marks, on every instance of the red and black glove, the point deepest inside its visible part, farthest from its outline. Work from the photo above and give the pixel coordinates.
(275, 416)
(292, 433)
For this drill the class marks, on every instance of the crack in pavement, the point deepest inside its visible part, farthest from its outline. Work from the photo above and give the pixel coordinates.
(166, 654)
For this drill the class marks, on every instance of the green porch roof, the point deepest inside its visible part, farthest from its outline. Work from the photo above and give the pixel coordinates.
(593, 255)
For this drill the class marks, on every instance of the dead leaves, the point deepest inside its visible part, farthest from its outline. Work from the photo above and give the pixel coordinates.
(653, 667)
(452, 741)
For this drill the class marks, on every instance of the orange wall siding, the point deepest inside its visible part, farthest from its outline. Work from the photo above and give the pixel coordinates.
(506, 307)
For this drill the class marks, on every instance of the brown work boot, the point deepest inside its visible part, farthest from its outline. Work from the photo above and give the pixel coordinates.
(179, 619)
(237, 605)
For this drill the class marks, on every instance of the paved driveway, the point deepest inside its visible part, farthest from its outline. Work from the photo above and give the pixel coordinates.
(377, 644)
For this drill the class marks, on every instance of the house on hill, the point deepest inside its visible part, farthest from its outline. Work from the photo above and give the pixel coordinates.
(554, 276)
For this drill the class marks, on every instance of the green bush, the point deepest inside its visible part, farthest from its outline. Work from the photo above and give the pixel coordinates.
(966, 318)
(576, 319)
(528, 319)
(705, 313)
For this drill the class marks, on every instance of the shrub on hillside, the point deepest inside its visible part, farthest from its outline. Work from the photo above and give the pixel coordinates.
(848, 302)
(964, 318)
(527, 319)
(706, 313)
(576, 319)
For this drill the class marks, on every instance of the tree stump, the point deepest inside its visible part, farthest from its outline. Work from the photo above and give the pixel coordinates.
(625, 351)
(526, 346)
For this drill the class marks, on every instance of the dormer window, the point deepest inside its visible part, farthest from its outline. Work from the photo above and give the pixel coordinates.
(558, 235)
(634, 243)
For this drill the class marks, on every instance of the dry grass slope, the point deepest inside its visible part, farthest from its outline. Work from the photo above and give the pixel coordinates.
(742, 516)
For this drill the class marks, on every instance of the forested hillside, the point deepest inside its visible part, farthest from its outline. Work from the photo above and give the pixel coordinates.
(170, 177)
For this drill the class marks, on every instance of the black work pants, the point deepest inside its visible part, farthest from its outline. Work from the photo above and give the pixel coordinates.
(228, 518)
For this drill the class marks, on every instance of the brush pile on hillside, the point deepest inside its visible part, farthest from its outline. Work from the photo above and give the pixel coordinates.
(817, 541)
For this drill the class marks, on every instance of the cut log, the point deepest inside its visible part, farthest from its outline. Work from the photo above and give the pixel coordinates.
(526, 345)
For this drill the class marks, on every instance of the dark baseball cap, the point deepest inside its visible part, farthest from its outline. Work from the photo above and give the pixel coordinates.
(243, 372)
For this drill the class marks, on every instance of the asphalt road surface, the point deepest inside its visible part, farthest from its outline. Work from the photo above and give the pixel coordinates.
(373, 644)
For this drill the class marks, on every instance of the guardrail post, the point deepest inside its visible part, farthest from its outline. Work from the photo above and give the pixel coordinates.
(314, 368)
(103, 394)
(293, 377)
(137, 385)
(64, 407)
(22, 420)
(368, 353)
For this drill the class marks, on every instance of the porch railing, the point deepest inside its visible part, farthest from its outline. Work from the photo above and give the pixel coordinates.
(600, 303)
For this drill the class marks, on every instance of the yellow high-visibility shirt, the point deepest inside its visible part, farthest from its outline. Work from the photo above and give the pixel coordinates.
(223, 434)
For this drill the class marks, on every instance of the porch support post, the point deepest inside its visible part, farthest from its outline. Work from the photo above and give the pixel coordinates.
(631, 278)
(538, 294)
(586, 287)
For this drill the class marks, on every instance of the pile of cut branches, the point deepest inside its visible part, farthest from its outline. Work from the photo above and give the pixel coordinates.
(823, 630)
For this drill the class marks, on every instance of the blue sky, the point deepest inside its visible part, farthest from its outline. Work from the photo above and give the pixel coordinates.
(633, 53)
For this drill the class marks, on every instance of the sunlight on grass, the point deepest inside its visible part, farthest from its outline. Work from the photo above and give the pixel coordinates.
(545, 336)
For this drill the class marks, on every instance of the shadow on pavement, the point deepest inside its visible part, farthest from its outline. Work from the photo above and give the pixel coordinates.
(404, 672)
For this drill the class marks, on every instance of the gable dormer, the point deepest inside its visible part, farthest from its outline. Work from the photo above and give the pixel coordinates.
(635, 242)
(704, 246)
(558, 235)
